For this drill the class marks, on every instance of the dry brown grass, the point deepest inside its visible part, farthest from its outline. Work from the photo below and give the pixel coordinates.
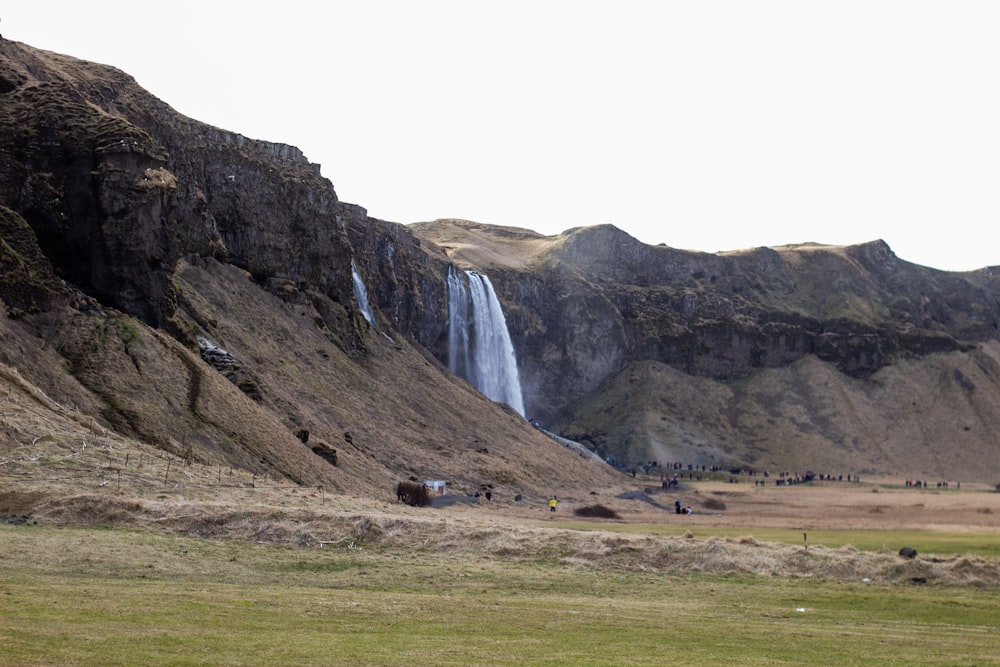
(474, 534)
(66, 469)
(471, 244)
(303, 517)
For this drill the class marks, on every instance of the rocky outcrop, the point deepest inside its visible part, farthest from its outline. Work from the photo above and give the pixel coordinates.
(231, 368)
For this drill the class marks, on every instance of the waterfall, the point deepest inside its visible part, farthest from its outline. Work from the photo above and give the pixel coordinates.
(459, 360)
(361, 295)
(479, 346)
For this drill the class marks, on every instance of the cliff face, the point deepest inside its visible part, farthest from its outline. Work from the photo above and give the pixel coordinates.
(652, 353)
(149, 255)
(118, 187)
(593, 300)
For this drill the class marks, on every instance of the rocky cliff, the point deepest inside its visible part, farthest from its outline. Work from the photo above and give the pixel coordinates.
(653, 353)
(191, 288)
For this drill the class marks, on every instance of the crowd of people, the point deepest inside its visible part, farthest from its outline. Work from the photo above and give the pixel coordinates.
(673, 473)
(671, 478)
(922, 484)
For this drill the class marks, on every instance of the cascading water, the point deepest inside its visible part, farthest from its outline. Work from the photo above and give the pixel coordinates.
(459, 358)
(361, 295)
(479, 345)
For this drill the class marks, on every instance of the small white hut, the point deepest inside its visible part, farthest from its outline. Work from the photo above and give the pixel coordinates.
(438, 486)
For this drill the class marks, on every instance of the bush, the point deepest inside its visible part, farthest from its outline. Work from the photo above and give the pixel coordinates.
(596, 512)
(413, 494)
(714, 504)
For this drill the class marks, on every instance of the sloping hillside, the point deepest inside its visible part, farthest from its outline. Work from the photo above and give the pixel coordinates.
(390, 411)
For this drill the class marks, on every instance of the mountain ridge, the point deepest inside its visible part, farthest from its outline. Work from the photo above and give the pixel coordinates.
(731, 318)
(131, 233)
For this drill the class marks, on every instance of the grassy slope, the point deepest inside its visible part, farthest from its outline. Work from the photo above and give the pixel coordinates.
(389, 410)
(404, 413)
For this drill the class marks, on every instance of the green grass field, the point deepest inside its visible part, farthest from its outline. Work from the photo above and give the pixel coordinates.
(74, 596)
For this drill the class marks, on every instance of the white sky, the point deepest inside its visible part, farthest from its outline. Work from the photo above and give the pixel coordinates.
(704, 125)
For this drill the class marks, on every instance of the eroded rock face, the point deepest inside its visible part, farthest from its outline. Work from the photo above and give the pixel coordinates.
(596, 300)
(405, 279)
(117, 187)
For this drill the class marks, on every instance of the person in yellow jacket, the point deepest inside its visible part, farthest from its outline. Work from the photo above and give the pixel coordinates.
(553, 503)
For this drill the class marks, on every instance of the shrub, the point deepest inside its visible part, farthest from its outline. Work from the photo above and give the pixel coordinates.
(596, 512)
(413, 494)
(714, 504)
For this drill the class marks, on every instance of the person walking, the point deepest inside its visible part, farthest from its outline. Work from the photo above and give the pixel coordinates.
(553, 503)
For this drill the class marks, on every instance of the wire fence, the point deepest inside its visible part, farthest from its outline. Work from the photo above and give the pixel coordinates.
(99, 466)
